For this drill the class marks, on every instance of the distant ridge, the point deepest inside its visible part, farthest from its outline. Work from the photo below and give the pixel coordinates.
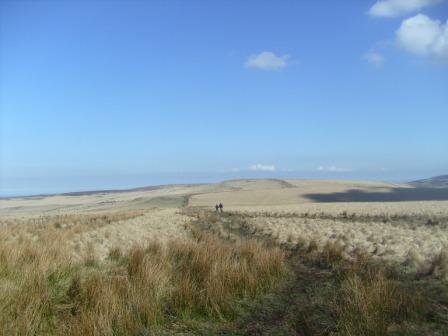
(432, 182)
(105, 191)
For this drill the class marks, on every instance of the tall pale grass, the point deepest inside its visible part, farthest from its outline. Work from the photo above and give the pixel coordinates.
(64, 226)
(221, 272)
(43, 291)
(372, 304)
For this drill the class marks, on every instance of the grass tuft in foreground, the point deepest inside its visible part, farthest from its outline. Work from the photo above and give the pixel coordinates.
(331, 293)
(146, 289)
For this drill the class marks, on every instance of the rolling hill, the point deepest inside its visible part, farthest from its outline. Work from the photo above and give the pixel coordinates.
(433, 182)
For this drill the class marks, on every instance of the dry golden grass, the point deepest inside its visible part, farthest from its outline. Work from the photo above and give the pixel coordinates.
(349, 295)
(437, 266)
(69, 223)
(43, 291)
(155, 286)
(239, 270)
(115, 253)
(370, 305)
(415, 239)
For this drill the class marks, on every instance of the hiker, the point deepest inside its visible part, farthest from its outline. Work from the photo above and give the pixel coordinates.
(217, 207)
(220, 206)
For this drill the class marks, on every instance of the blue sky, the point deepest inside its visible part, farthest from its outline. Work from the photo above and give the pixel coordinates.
(117, 94)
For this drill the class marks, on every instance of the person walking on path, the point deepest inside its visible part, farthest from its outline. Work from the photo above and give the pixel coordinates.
(220, 207)
(217, 207)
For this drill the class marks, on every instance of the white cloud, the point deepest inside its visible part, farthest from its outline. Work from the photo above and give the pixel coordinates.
(375, 58)
(424, 37)
(263, 167)
(392, 8)
(333, 169)
(267, 60)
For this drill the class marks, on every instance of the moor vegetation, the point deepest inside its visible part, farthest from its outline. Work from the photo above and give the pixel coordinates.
(223, 280)
(146, 290)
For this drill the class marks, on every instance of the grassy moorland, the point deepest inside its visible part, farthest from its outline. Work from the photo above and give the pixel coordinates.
(326, 293)
(224, 280)
(147, 290)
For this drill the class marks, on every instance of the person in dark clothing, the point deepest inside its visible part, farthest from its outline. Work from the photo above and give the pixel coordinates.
(220, 207)
(217, 207)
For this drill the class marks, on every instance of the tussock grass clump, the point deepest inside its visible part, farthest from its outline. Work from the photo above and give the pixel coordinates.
(115, 253)
(33, 283)
(371, 304)
(58, 226)
(69, 220)
(332, 253)
(339, 290)
(90, 258)
(221, 272)
(437, 266)
(42, 291)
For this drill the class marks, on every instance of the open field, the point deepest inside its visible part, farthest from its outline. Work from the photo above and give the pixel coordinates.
(161, 261)
(400, 231)
(280, 208)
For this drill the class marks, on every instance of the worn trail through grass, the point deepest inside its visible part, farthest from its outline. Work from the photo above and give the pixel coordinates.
(325, 294)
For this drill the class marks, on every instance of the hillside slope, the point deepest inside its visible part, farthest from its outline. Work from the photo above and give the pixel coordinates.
(433, 182)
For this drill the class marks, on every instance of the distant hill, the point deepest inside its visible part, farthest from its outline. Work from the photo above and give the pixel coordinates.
(433, 182)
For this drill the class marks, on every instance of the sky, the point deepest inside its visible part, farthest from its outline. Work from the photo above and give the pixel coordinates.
(120, 94)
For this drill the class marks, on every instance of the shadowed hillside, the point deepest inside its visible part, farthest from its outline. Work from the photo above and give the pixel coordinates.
(433, 182)
(394, 195)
